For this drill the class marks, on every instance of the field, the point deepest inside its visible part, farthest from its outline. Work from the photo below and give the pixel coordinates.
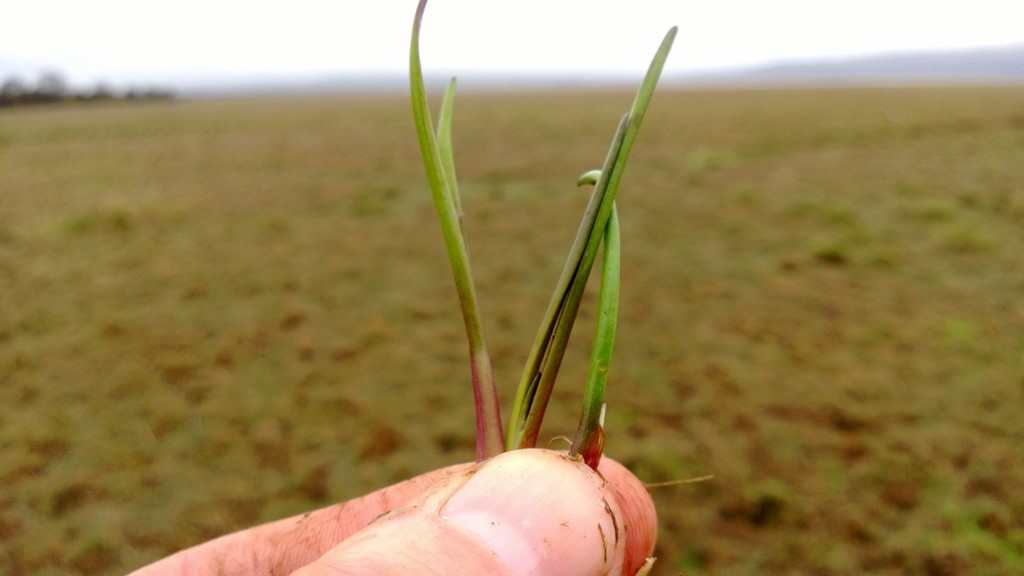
(217, 313)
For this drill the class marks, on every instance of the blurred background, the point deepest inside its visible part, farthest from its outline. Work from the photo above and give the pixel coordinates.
(224, 297)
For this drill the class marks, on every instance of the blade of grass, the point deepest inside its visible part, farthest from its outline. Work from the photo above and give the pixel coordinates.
(445, 149)
(589, 439)
(549, 346)
(441, 173)
(545, 357)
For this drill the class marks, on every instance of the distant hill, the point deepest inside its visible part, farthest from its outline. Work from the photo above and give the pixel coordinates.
(1001, 65)
(997, 65)
(983, 65)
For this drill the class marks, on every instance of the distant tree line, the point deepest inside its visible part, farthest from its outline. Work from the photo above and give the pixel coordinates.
(51, 88)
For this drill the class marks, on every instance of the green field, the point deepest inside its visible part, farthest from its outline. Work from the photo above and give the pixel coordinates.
(216, 313)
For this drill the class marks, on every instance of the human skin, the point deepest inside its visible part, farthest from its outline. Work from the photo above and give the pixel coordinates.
(443, 522)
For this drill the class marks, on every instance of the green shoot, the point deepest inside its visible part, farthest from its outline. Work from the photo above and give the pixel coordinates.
(546, 354)
(589, 440)
(440, 170)
(444, 146)
(545, 357)
(600, 223)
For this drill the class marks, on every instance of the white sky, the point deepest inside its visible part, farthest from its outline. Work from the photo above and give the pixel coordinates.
(132, 41)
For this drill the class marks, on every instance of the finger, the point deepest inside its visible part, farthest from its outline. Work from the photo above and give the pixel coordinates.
(285, 545)
(638, 513)
(522, 512)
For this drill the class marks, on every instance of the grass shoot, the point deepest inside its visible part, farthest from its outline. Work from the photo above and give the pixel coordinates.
(600, 224)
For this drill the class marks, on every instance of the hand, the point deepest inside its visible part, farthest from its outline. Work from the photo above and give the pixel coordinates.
(321, 542)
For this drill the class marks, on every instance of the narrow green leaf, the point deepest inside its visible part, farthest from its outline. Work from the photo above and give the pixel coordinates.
(444, 144)
(639, 110)
(442, 187)
(545, 357)
(589, 439)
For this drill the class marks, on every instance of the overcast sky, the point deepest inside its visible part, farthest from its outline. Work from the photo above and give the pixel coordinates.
(134, 41)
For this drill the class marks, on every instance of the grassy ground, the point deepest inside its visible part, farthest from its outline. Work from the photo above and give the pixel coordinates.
(218, 313)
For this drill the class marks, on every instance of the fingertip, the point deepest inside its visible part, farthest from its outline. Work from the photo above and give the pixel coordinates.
(638, 513)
